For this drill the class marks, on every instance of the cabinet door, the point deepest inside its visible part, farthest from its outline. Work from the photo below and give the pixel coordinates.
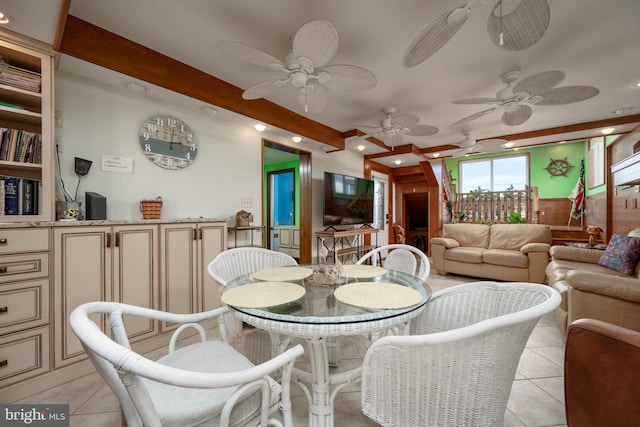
(82, 260)
(178, 274)
(135, 274)
(211, 241)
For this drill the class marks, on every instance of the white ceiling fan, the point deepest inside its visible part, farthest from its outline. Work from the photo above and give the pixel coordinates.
(393, 127)
(314, 44)
(470, 145)
(512, 25)
(538, 89)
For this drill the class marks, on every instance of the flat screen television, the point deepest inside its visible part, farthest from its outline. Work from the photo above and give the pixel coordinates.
(347, 200)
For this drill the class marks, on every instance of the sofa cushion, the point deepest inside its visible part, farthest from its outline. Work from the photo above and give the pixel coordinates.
(514, 236)
(465, 254)
(470, 235)
(622, 254)
(505, 257)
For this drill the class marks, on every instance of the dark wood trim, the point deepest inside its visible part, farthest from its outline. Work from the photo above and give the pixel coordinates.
(90, 43)
(62, 20)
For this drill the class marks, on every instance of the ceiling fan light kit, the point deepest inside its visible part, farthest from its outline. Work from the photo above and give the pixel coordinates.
(393, 127)
(314, 45)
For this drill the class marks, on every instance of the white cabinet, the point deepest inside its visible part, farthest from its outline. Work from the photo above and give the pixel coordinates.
(25, 322)
(103, 263)
(185, 251)
(289, 240)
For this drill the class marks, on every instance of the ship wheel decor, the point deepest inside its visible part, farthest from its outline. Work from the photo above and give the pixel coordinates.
(559, 167)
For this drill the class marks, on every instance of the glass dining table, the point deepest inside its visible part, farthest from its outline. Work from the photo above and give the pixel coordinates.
(365, 300)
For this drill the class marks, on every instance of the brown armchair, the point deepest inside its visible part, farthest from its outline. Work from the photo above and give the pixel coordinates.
(601, 375)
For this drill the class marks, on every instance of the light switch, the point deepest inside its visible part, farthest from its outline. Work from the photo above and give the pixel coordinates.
(246, 202)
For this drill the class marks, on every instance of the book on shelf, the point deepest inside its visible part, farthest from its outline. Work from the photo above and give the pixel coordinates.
(20, 146)
(20, 196)
(21, 78)
(11, 206)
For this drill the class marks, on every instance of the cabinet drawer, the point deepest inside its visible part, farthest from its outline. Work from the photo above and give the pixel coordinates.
(24, 355)
(24, 267)
(24, 305)
(16, 240)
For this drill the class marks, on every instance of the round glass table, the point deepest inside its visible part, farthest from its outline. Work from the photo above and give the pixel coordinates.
(319, 316)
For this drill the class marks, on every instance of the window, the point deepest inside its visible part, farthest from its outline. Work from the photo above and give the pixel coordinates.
(494, 174)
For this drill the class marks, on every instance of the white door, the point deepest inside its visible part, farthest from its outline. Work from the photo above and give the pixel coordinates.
(380, 212)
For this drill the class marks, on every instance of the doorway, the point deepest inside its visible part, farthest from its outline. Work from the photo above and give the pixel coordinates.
(416, 219)
(275, 158)
(281, 196)
(381, 207)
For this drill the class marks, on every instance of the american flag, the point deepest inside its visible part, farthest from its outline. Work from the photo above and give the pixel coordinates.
(577, 195)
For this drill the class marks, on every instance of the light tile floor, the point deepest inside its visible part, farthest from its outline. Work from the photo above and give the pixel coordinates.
(537, 396)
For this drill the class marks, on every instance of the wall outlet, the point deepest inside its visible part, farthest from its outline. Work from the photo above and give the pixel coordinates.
(246, 202)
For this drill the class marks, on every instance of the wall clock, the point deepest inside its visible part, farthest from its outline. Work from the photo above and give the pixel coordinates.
(559, 167)
(168, 142)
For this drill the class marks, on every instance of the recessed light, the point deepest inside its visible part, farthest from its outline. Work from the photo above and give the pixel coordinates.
(607, 131)
(623, 110)
(361, 147)
(6, 19)
(508, 144)
(136, 87)
(260, 127)
(296, 139)
(636, 84)
(562, 142)
(397, 162)
(210, 111)
(436, 154)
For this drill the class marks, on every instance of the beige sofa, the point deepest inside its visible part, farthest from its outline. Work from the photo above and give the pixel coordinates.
(511, 252)
(590, 290)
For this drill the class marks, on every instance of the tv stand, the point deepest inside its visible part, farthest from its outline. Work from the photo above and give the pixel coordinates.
(344, 243)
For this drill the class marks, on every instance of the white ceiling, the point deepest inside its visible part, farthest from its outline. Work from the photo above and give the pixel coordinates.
(595, 42)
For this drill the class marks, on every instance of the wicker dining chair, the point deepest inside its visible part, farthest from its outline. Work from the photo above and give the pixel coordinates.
(237, 262)
(405, 258)
(205, 383)
(458, 367)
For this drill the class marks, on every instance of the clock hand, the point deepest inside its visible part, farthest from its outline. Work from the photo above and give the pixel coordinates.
(171, 141)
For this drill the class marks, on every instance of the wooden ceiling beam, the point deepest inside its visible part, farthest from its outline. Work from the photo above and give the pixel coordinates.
(90, 43)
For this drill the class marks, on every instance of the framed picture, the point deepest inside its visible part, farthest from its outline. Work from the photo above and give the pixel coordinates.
(596, 162)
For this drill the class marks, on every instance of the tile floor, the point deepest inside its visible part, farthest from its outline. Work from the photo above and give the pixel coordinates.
(537, 396)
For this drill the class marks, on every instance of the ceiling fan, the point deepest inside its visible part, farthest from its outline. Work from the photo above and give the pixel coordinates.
(393, 127)
(470, 145)
(538, 89)
(314, 44)
(512, 25)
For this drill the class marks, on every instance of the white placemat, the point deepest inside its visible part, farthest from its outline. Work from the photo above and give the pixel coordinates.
(279, 274)
(263, 294)
(380, 295)
(361, 271)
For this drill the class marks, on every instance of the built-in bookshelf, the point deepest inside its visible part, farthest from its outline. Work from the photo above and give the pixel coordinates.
(26, 129)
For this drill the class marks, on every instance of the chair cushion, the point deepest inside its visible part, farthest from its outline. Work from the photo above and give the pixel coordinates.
(196, 406)
(622, 254)
(469, 235)
(515, 236)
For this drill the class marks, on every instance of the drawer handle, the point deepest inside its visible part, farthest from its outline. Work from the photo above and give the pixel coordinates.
(4, 310)
(3, 241)
(4, 363)
(3, 269)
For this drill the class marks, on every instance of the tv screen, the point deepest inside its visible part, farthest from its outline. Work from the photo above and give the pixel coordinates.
(347, 200)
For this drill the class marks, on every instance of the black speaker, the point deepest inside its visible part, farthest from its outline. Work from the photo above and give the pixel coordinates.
(96, 206)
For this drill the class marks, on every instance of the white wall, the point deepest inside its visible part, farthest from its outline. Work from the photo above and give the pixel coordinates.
(99, 120)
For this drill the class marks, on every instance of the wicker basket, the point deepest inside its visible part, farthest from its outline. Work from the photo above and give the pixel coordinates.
(151, 208)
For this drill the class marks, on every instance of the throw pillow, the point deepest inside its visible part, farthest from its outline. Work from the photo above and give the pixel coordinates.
(622, 254)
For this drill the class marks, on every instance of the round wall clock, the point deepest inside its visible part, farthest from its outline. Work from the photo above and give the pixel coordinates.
(168, 142)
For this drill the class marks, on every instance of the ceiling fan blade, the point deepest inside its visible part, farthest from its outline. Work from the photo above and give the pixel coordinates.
(262, 89)
(461, 153)
(522, 23)
(475, 116)
(517, 117)
(567, 95)
(313, 98)
(476, 101)
(316, 40)
(250, 54)
(405, 120)
(422, 130)
(350, 78)
(492, 145)
(539, 82)
(436, 35)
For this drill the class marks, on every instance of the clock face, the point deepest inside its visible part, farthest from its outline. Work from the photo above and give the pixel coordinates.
(168, 142)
